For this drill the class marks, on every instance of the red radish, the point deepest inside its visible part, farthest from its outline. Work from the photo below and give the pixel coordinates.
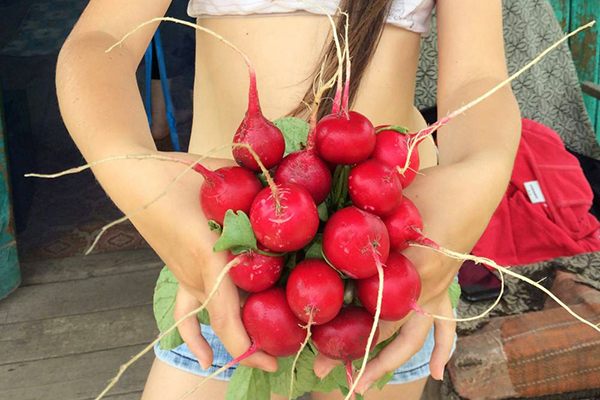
(256, 272)
(404, 225)
(401, 288)
(349, 239)
(229, 188)
(345, 140)
(345, 337)
(392, 149)
(313, 286)
(306, 169)
(375, 187)
(258, 132)
(286, 221)
(271, 323)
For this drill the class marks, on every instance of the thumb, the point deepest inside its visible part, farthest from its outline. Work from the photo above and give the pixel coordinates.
(323, 365)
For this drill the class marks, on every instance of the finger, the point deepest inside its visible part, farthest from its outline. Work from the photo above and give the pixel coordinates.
(410, 340)
(226, 322)
(323, 365)
(189, 329)
(444, 341)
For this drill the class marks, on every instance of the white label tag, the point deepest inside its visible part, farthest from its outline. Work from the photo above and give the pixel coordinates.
(534, 191)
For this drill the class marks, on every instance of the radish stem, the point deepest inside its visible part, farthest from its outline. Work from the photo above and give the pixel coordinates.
(349, 374)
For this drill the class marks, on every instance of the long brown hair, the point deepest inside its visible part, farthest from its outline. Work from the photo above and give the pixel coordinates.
(367, 19)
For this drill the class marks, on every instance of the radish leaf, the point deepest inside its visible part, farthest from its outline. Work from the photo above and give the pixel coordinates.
(315, 248)
(248, 383)
(397, 128)
(165, 293)
(237, 235)
(295, 133)
(454, 293)
(323, 212)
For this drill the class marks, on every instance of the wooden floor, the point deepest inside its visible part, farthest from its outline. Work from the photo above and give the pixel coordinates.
(65, 332)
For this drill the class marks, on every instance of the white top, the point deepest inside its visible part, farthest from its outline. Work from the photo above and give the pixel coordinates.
(413, 15)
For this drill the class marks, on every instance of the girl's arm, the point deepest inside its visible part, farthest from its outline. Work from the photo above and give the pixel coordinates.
(102, 108)
(477, 149)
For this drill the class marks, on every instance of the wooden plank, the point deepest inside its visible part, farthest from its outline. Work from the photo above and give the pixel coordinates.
(62, 299)
(76, 377)
(94, 265)
(63, 336)
(585, 49)
(592, 89)
(125, 396)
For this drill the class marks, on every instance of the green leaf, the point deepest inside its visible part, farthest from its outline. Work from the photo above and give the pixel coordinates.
(315, 248)
(164, 304)
(454, 293)
(323, 212)
(385, 380)
(291, 259)
(214, 226)
(165, 293)
(304, 377)
(295, 133)
(248, 383)
(237, 235)
(397, 128)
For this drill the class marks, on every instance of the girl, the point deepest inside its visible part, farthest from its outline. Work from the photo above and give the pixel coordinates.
(288, 41)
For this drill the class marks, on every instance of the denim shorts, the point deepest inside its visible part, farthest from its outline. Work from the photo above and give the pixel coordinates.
(180, 357)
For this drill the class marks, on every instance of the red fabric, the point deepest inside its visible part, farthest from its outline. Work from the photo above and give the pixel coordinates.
(521, 232)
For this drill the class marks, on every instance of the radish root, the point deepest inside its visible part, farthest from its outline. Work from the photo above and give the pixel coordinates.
(493, 264)
(253, 349)
(191, 165)
(308, 334)
(351, 389)
(422, 134)
(214, 289)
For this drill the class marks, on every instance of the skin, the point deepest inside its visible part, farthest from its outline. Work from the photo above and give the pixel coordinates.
(103, 110)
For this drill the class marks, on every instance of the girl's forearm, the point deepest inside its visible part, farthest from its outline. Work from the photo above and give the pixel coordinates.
(458, 197)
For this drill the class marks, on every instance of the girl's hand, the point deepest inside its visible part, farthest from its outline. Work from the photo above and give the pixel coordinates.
(177, 230)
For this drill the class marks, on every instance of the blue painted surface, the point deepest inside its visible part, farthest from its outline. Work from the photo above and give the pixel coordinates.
(585, 47)
(10, 274)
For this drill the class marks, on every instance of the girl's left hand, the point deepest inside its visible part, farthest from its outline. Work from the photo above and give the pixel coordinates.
(413, 331)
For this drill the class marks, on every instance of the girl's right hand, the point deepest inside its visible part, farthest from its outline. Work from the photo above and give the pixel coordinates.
(177, 230)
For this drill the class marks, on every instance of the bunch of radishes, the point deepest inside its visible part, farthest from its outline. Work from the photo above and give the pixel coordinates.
(370, 224)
